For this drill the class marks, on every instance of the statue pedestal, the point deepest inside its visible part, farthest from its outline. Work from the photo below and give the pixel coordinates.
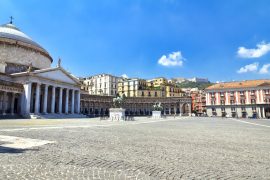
(156, 114)
(117, 114)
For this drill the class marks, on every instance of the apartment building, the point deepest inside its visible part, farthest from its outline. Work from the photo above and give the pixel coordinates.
(101, 84)
(244, 99)
(158, 87)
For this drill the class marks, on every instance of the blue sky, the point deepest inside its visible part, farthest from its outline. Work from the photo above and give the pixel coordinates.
(221, 40)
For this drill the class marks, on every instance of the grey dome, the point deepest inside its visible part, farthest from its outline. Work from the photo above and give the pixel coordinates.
(9, 31)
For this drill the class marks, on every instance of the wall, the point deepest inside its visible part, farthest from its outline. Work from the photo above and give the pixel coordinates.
(18, 55)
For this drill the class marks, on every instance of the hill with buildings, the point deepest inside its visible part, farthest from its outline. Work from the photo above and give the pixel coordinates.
(190, 84)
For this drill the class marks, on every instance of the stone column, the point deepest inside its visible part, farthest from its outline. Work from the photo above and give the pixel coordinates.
(53, 100)
(12, 103)
(263, 112)
(4, 102)
(236, 99)
(37, 102)
(72, 101)
(45, 99)
(258, 100)
(261, 95)
(189, 109)
(27, 98)
(78, 102)
(180, 110)
(259, 112)
(60, 100)
(66, 105)
(227, 98)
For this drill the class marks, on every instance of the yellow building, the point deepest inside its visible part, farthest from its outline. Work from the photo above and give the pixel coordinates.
(157, 82)
(168, 86)
(173, 91)
(158, 87)
(139, 88)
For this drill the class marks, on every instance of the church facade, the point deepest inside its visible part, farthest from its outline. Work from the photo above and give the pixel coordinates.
(29, 86)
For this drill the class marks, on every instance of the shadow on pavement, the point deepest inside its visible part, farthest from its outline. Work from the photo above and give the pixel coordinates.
(11, 150)
(4, 150)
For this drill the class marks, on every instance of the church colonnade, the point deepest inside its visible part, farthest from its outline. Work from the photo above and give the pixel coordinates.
(9, 102)
(41, 98)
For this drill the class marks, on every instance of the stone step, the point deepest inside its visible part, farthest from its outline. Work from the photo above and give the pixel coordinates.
(9, 116)
(61, 116)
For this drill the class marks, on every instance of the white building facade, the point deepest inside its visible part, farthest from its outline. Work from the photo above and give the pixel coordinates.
(101, 84)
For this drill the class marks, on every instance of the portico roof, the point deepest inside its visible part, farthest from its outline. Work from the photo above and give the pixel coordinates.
(56, 74)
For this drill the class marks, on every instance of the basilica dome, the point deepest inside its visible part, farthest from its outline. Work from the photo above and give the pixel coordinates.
(18, 51)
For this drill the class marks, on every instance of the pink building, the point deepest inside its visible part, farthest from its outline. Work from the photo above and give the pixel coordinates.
(249, 98)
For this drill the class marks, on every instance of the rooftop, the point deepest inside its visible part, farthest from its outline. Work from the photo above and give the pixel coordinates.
(240, 84)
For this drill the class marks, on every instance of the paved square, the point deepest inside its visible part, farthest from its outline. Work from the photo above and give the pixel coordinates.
(181, 148)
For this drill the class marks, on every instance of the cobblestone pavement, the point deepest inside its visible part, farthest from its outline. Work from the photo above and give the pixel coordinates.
(181, 148)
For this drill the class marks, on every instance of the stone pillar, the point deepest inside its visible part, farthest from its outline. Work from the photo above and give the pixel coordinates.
(258, 99)
(227, 98)
(247, 98)
(78, 97)
(263, 112)
(66, 105)
(236, 98)
(60, 100)
(45, 99)
(259, 112)
(53, 100)
(27, 98)
(72, 101)
(180, 110)
(12, 103)
(37, 102)
(4, 102)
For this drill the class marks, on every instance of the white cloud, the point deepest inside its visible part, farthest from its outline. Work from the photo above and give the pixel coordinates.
(264, 69)
(173, 59)
(262, 49)
(248, 68)
(124, 76)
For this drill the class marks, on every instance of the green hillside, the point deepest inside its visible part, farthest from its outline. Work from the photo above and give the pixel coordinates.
(188, 84)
